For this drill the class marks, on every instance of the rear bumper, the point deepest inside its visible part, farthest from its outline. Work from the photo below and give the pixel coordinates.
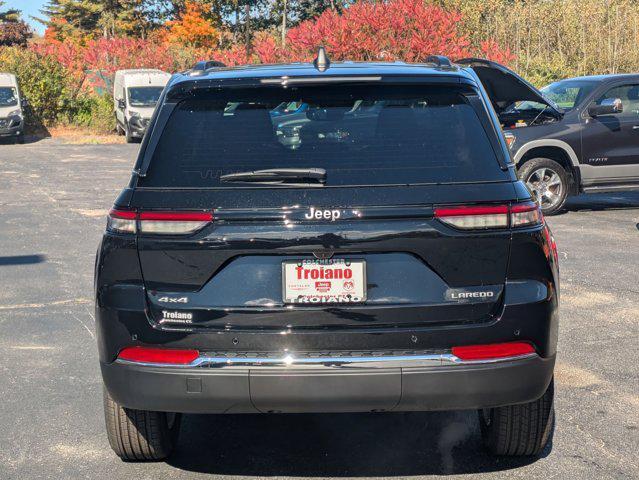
(399, 383)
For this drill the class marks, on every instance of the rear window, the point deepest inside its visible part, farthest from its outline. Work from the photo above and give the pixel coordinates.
(361, 135)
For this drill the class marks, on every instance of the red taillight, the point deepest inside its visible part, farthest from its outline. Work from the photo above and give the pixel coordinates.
(477, 217)
(158, 355)
(490, 216)
(173, 223)
(493, 351)
(126, 214)
(121, 221)
(525, 214)
(160, 223)
(177, 216)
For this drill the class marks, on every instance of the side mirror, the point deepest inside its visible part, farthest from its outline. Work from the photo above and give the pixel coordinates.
(608, 106)
(121, 104)
(24, 103)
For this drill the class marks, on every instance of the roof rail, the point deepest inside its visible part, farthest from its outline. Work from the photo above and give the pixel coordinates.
(439, 60)
(202, 66)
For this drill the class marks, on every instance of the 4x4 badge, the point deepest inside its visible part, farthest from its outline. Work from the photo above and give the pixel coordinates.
(173, 299)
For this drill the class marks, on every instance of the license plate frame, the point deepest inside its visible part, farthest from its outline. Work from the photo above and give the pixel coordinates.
(358, 294)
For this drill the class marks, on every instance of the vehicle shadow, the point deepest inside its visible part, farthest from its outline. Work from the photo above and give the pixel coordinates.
(29, 138)
(37, 137)
(337, 445)
(22, 259)
(602, 201)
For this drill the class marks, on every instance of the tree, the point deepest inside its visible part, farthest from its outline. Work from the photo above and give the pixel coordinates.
(11, 15)
(72, 18)
(106, 18)
(191, 28)
(13, 31)
(14, 34)
(308, 9)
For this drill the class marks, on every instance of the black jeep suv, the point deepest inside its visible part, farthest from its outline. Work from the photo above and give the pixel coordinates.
(369, 249)
(575, 135)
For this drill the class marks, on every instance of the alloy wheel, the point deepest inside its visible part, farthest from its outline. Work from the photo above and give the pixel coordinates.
(547, 184)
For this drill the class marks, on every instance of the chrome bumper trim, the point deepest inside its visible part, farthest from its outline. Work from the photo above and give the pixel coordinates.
(305, 361)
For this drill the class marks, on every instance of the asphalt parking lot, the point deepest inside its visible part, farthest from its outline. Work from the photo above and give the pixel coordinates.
(53, 200)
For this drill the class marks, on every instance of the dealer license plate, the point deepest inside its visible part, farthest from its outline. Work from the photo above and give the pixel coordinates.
(324, 281)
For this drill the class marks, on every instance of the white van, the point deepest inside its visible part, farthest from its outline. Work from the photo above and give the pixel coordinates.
(135, 93)
(11, 109)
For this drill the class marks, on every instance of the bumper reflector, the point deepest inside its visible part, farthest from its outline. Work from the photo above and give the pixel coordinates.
(495, 350)
(158, 355)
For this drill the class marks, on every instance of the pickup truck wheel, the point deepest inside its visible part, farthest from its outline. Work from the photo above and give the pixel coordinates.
(517, 430)
(140, 435)
(549, 180)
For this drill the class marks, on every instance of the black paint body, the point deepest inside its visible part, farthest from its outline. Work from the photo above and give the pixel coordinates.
(230, 271)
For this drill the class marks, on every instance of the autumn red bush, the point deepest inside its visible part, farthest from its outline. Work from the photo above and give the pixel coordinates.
(408, 30)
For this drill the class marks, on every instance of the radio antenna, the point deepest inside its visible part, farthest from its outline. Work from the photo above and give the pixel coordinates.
(322, 61)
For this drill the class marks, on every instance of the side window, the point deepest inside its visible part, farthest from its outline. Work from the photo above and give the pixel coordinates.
(629, 96)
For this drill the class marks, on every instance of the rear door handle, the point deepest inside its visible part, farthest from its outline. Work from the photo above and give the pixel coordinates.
(635, 127)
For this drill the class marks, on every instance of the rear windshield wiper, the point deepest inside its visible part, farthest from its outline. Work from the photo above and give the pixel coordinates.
(278, 175)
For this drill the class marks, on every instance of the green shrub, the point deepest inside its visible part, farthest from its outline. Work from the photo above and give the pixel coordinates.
(52, 93)
(103, 118)
(44, 82)
(94, 112)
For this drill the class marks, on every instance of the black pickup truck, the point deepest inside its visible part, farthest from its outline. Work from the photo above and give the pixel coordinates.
(575, 135)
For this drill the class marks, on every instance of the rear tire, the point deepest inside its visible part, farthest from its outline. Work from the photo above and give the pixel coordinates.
(551, 181)
(140, 435)
(518, 430)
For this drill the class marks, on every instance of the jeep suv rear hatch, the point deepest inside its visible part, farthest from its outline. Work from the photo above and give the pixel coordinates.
(378, 205)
